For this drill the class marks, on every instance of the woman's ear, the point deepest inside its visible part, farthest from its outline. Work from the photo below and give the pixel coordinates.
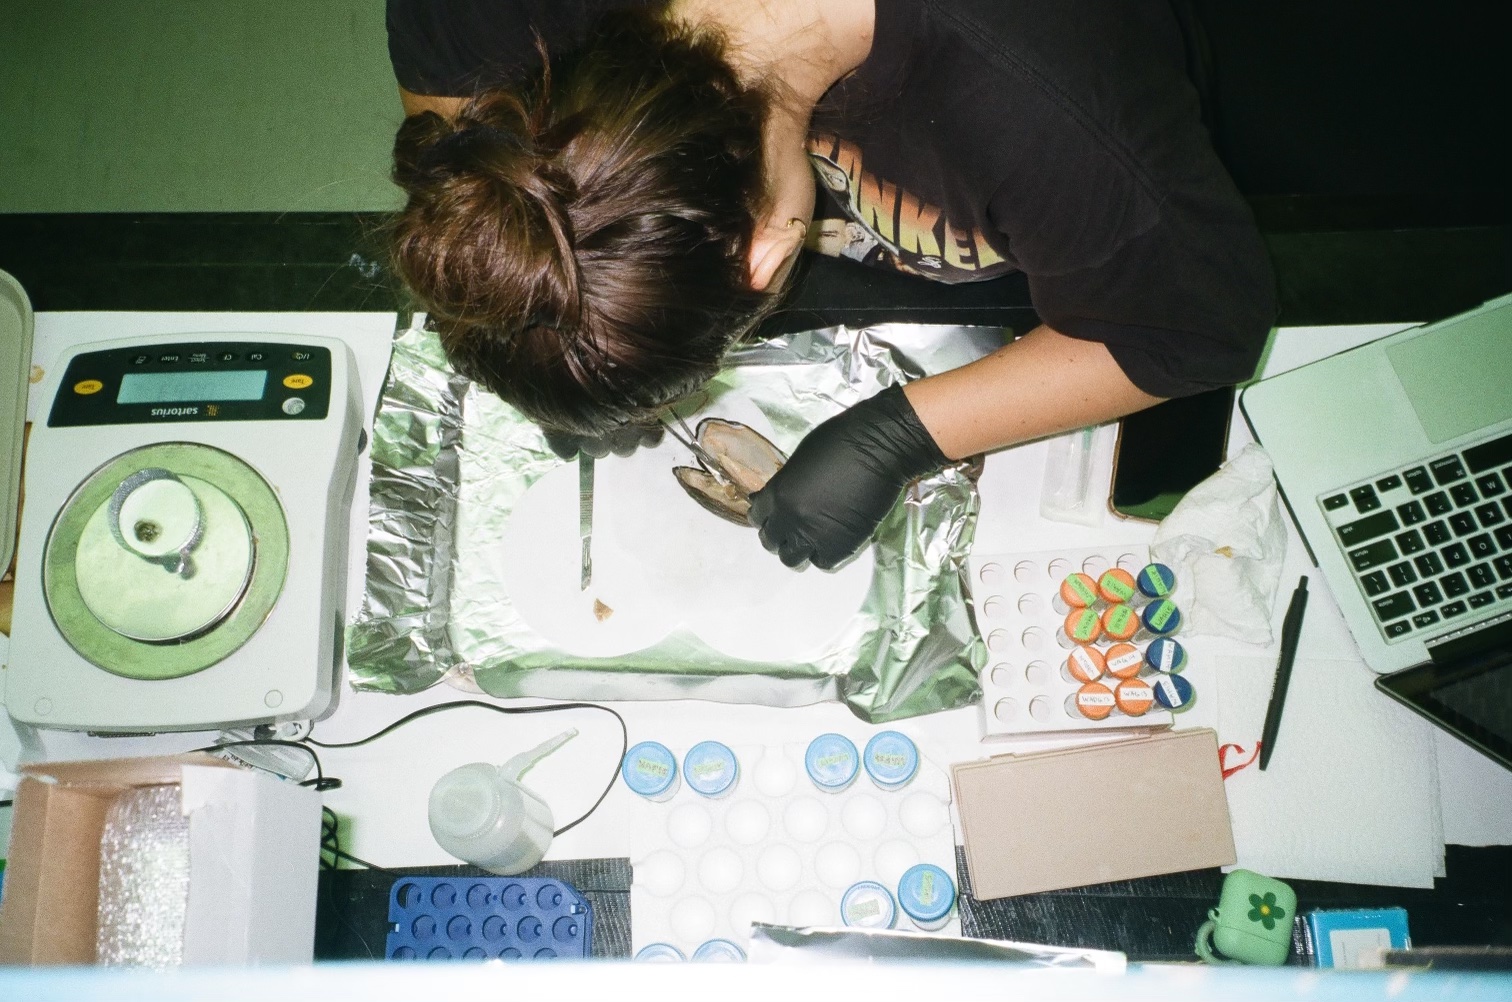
(772, 247)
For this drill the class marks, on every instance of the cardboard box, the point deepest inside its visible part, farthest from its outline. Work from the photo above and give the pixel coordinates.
(1088, 815)
(254, 860)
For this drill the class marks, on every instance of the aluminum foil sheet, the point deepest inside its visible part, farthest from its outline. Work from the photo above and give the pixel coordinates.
(144, 879)
(444, 489)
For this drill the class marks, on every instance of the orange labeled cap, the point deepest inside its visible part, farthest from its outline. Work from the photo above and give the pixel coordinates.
(1078, 591)
(1095, 701)
(1085, 663)
(1083, 627)
(1116, 585)
(1134, 696)
(1123, 660)
(1120, 622)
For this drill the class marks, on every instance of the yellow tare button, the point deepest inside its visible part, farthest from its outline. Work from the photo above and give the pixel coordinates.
(87, 386)
(298, 381)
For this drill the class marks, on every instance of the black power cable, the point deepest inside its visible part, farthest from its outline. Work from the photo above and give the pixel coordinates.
(330, 836)
(544, 708)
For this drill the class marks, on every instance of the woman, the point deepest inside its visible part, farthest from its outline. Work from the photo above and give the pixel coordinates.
(592, 234)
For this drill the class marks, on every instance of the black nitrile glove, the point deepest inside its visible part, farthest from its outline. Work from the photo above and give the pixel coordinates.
(843, 478)
(621, 441)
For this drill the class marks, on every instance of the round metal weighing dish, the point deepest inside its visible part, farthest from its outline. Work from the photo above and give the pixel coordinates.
(165, 560)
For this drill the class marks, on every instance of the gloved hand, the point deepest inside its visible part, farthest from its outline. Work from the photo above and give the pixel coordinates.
(843, 478)
(621, 441)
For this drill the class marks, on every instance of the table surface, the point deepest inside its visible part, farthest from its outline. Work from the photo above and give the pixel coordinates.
(383, 799)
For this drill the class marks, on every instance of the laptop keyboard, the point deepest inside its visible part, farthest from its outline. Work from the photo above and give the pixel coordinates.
(1431, 543)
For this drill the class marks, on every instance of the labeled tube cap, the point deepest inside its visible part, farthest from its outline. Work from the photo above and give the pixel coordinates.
(891, 759)
(1155, 581)
(926, 893)
(719, 951)
(1171, 691)
(868, 905)
(1085, 664)
(710, 768)
(650, 769)
(1093, 701)
(1078, 591)
(1134, 696)
(1123, 660)
(832, 762)
(660, 952)
(1165, 654)
(1161, 617)
(1116, 585)
(1082, 626)
(1120, 622)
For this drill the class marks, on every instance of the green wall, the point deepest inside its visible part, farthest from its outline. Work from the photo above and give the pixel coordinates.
(195, 106)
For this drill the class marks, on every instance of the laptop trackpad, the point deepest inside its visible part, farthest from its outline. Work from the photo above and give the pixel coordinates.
(1456, 375)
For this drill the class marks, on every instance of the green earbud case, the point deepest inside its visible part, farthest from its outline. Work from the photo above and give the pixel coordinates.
(1252, 923)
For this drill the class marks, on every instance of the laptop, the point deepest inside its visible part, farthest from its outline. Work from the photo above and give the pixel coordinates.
(1395, 462)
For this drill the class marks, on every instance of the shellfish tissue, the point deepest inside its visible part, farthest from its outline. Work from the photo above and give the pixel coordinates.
(743, 460)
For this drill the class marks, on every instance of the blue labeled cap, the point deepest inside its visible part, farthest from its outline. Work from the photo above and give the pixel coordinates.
(649, 769)
(719, 951)
(891, 759)
(1171, 691)
(1165, 654)
(868, 905)
(710, 768)
(926, 893)
(1155, 581)
(1161, 617)
(832, 762)
(663, 952)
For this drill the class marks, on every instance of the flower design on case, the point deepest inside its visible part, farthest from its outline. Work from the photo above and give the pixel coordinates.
(1265, 910)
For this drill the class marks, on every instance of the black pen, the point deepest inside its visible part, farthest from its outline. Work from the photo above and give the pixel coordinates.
(1291, 629)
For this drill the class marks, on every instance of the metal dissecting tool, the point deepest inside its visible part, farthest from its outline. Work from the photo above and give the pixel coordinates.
(708, 462)
(585, 516)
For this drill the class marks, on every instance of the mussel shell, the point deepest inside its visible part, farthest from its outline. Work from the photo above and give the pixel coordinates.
(743, 453)
(713, 494)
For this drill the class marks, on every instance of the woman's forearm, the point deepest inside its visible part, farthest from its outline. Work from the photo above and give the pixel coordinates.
(1042, 384)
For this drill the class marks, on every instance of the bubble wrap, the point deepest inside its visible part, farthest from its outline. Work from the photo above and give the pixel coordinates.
(144, 879)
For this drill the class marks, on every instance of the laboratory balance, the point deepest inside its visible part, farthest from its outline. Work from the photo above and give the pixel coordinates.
(182, 556)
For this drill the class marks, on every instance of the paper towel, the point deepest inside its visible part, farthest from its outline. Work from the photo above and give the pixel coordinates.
(1226, 541)
(1351, 791)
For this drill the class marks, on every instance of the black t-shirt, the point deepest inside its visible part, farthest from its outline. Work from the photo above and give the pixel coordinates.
(1056, 137)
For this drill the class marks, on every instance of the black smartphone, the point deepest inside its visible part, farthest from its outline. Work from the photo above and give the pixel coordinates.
(1165, 451)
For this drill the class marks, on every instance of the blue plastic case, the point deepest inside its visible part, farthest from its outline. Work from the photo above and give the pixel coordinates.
(481, 918)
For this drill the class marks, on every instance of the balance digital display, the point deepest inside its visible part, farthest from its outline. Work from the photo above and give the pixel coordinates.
(194, 381)
(180, 387)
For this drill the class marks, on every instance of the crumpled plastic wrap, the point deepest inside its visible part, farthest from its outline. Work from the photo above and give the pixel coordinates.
(910, 649)
(144, 879)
